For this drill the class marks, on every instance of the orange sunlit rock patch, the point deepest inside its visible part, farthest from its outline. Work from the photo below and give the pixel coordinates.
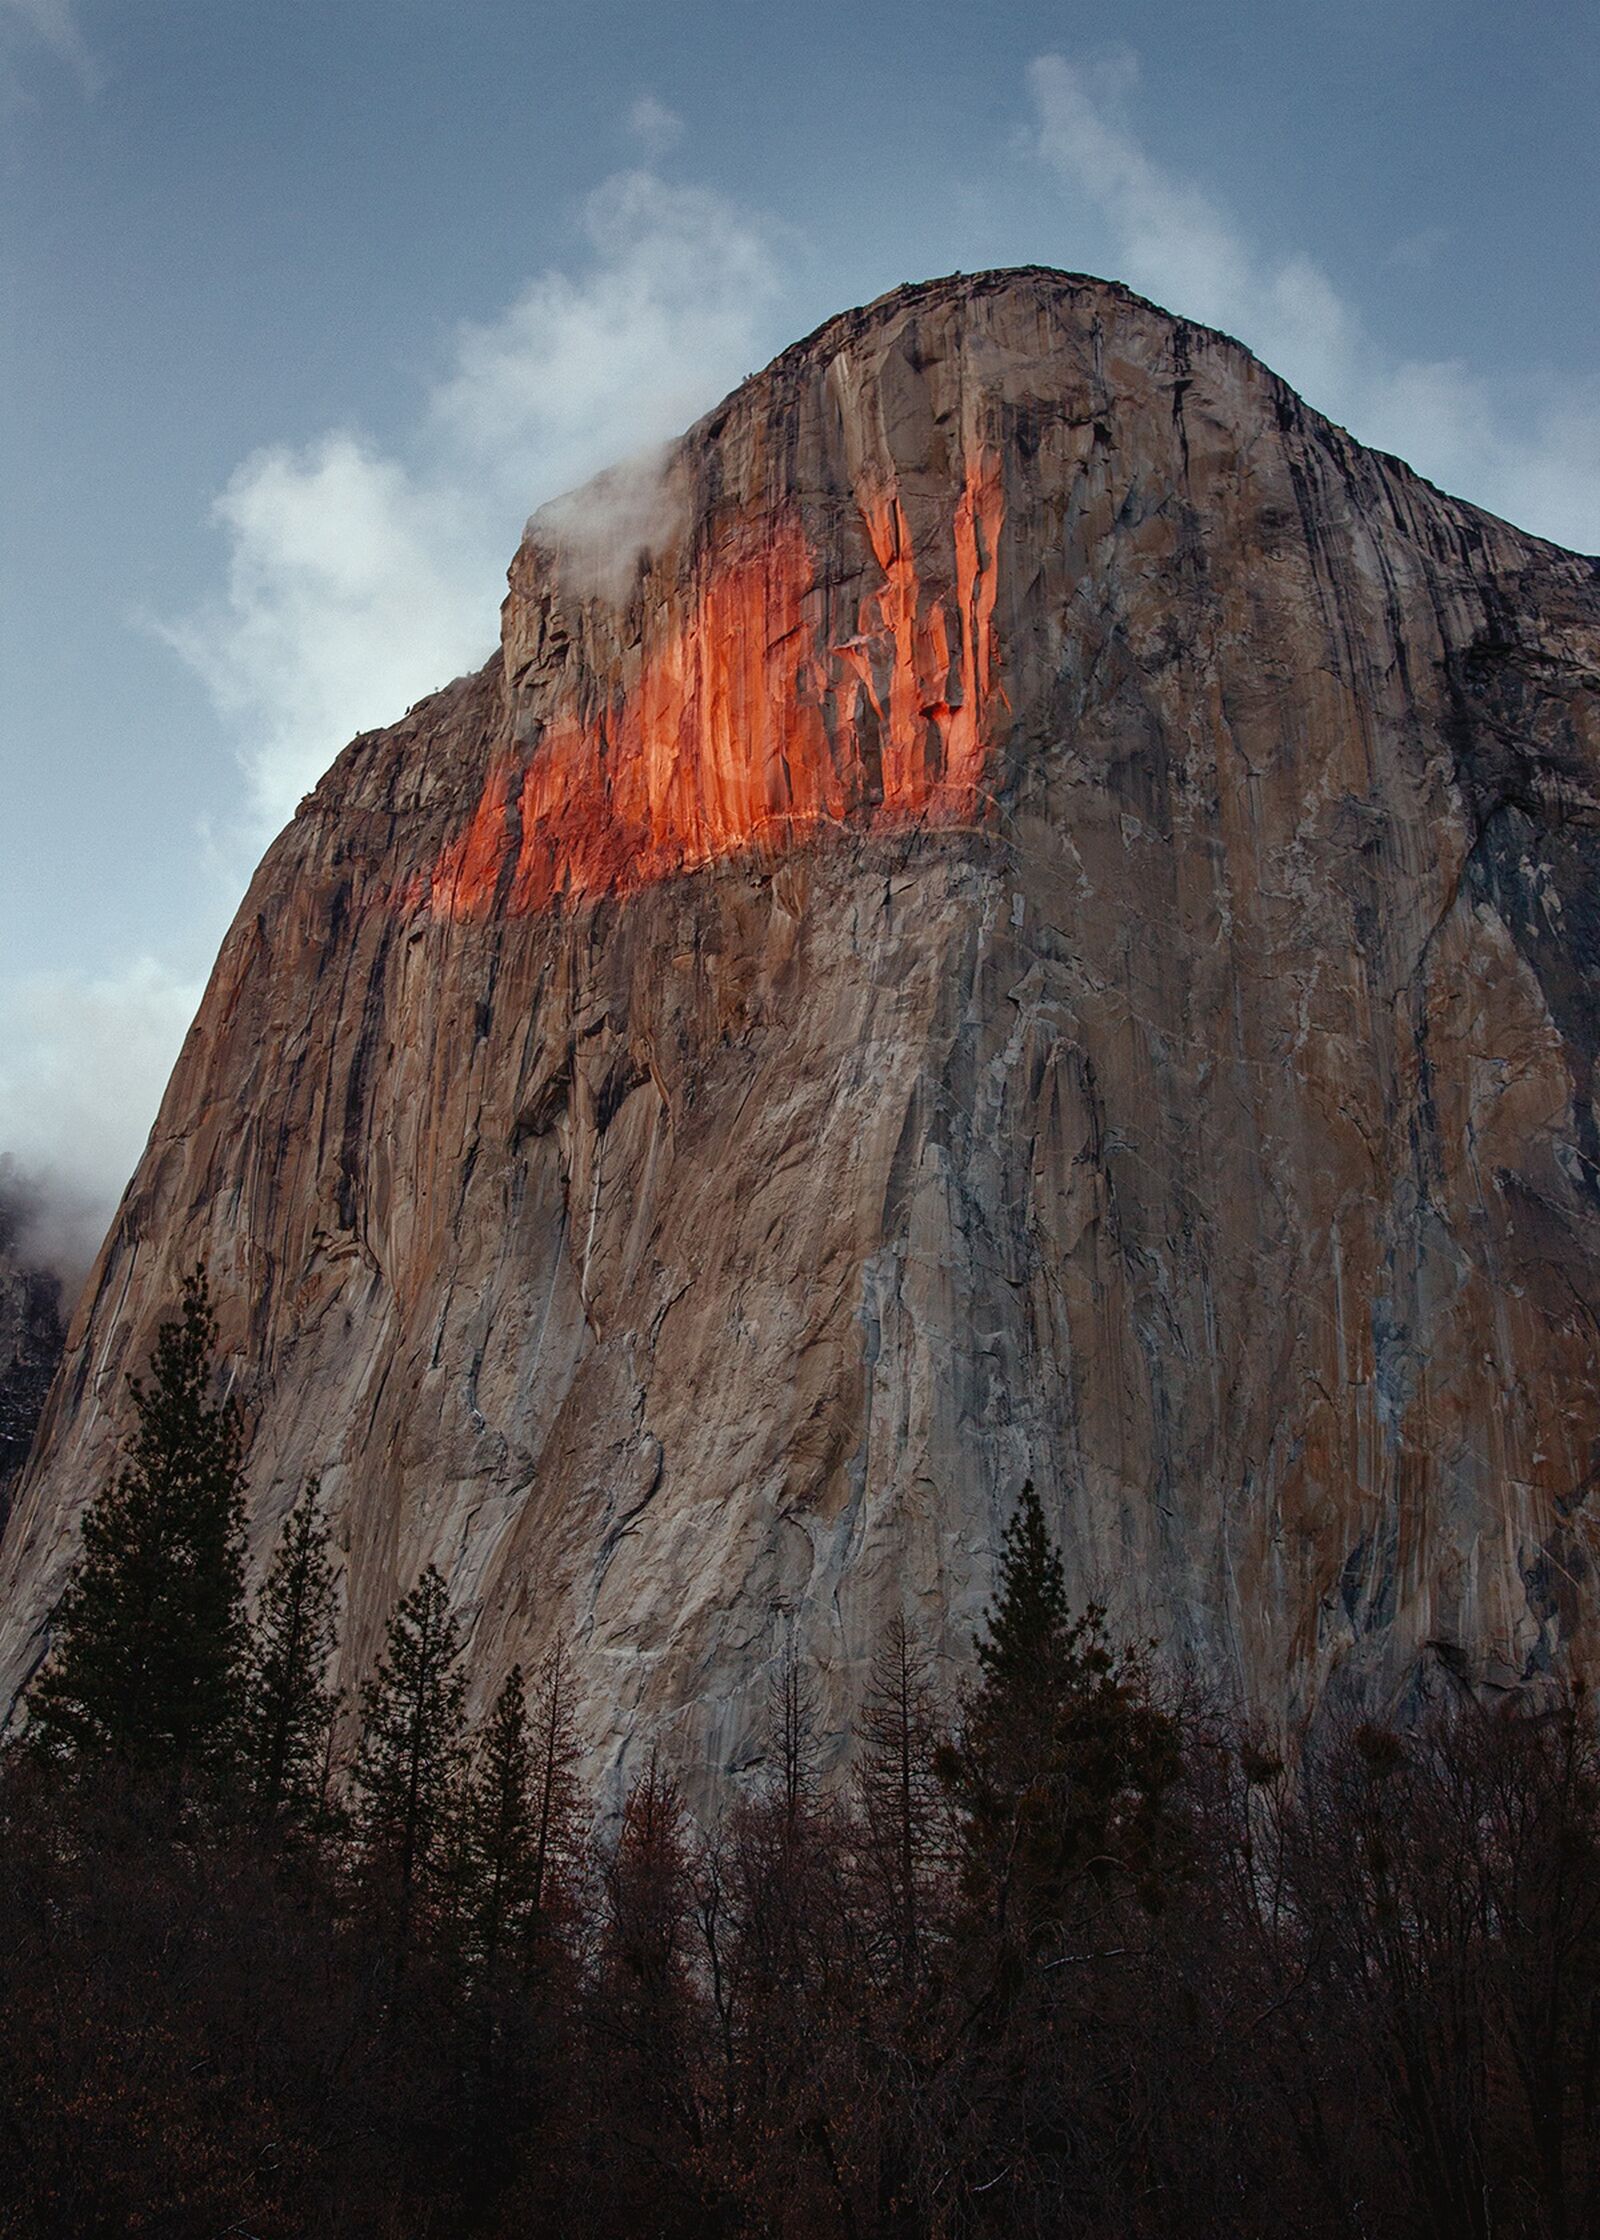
(756, 721)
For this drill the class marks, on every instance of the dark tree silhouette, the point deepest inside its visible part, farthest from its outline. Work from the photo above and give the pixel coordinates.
(287, 1701)
(409, 1754)
(1026, 1625)
(792, 1716)
(500, 1819)
(558, 1801)
(902, 1804)
(149, 1637)
(1064, 1771)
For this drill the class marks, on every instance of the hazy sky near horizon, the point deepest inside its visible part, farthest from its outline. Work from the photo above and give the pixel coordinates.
(306, 306)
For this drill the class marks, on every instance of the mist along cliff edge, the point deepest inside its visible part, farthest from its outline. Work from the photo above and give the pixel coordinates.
(1019, 905)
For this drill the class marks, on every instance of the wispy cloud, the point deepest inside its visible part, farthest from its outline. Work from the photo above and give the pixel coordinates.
(1415, 252)
(1533, 456)
(83, 1062)
(358, 579)
(656, 128)
(355, 585)
(54, 24)
(666, 311)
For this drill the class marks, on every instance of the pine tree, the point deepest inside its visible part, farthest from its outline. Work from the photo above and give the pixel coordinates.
(1063, 1774)
(558, 1805)
(645, 1941)
(901, 1801)
(1027, 1623)
(149, 1636)
(500, 1820)
(287, 1701)
(409, 1754)
(793, 1720)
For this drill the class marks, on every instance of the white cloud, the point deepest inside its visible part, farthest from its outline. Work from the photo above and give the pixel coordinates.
(1535, 458)
(1415, 252)
(84, 1063)
(354, 587)
(576, 372)
(358, 581)
(657, 128)
(55, 25)
(600, 529)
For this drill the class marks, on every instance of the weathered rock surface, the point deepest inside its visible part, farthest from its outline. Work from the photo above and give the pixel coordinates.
(31, 1337)
(1051, 925)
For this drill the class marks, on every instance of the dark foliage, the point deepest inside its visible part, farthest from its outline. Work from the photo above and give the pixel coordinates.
(149, 1639)
(410, 1758)
(1088, 1966)
(287, 1703)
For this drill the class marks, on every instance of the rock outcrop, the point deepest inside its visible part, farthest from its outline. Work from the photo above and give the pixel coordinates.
(1049, 925)
(31, 1336)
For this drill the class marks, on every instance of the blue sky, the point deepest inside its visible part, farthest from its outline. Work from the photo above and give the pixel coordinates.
(305, 306)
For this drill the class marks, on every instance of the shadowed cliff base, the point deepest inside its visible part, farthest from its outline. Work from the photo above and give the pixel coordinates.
(1056, 1957)
(31, 1330)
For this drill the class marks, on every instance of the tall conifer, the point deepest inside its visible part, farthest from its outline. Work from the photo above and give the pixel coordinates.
(501, 1820)
(409, 1756)
(1027, 1622)
(792, 1715)
(558, 1801)
(902, 1805)
(287, 1701)
(149, 1637)
(1063, 1772)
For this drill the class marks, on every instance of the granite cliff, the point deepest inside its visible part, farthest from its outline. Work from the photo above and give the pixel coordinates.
(1046, 922)
(31, 1330)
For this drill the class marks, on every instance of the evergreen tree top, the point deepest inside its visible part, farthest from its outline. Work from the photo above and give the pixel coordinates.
(288, 1703)
(411, 1730)
(149, 1636)
(1028, 1620)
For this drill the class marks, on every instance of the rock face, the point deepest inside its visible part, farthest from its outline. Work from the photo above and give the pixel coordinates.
(1049, 924)
(31, 1335)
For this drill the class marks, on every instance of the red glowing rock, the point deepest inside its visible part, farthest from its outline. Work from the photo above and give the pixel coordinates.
(748, 723)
